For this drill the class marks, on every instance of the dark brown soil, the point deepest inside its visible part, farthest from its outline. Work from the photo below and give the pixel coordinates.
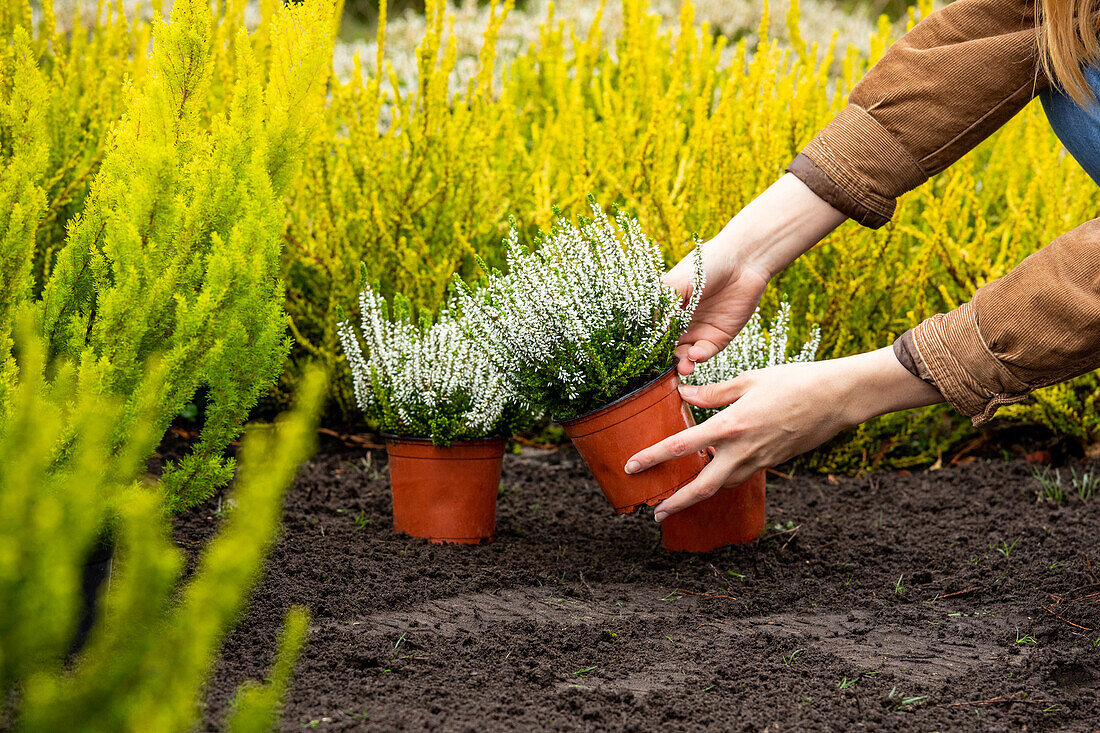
(943, 600)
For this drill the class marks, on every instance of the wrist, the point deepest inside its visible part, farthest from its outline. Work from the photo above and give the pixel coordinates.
(875, 383)
(777, 227)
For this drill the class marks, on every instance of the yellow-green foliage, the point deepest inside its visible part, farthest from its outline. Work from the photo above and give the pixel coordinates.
(90, 73)
(412, 182)
(679, 127)
(1066, 409)
(174, 253)
(257, 706)
(154, 645)
(23, 155)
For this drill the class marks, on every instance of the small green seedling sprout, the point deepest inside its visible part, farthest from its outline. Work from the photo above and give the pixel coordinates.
(1006, 549)
(1024, 639)
(901, 703)
(1050, 485)
(1085, 484)
(790, 659)
(673, 596)
(583, 672)
(372, 470)
(845, 683)
(898, 587)
(361, 520)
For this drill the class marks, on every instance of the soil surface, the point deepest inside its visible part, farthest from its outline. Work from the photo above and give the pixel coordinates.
(950, 599)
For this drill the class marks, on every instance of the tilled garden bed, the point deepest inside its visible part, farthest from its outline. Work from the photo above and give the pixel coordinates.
(943, 600)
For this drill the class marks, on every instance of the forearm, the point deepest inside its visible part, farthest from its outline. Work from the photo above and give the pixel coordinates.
(875, 383)
(776, 228)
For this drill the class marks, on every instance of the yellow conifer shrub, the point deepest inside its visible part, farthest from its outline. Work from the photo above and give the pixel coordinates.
(172, 258)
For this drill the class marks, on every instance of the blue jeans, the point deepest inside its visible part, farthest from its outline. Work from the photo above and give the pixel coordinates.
(1077, 127)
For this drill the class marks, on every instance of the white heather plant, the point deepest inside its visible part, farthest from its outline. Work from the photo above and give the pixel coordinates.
(419, 379)
(583, 318)
(754, 348)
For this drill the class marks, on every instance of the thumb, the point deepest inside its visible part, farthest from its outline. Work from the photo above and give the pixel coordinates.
(702, 350)
(709, 396)
(679, 278)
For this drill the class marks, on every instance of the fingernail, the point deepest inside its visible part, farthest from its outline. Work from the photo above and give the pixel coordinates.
(632, 466)
(688, 389)
(660, 516)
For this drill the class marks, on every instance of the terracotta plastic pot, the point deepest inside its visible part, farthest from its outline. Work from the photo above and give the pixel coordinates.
(732, 516)
(609, 436)
(445, 494)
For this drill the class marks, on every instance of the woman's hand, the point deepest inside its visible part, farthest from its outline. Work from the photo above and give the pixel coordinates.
(731, 295)
(777, 413)
(764, 237)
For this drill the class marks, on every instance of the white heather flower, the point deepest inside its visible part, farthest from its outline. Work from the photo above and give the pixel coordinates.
(424, 381)
(581, 319)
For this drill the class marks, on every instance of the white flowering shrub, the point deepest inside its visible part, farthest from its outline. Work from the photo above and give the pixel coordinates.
(583, 318)
(754, 348)
(420, 379)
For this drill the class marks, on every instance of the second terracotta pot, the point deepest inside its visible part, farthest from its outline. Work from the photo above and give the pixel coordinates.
(732, 516)
(609, 436)
(445, 494)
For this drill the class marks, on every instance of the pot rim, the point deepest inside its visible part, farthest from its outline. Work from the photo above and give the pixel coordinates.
(625, 398)
(388, 437)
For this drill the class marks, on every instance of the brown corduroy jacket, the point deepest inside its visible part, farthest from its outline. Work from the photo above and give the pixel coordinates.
(943, 88)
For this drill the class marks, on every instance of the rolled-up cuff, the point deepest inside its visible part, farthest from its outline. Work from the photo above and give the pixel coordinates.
(858, 167)
(909, 357)
(962, 368)
(831, 193)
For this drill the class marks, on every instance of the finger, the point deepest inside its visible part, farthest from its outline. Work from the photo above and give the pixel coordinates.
(714, 395)
(683, 443)
(702, 350)
(679, 280)
(684, 365)
(718, 473)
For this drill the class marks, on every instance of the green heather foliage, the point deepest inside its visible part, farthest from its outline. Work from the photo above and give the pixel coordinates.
(174, 254)
(154, 645)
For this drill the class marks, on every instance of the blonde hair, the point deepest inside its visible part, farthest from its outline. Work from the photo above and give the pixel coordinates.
(1069, 41)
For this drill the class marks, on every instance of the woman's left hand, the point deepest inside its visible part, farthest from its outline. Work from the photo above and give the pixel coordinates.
(777, 413)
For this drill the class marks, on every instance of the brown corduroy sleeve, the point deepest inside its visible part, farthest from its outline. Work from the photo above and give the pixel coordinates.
(940, 90)
(1037, 325)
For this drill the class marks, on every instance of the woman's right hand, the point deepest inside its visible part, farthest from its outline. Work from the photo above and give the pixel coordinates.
(766, 236)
